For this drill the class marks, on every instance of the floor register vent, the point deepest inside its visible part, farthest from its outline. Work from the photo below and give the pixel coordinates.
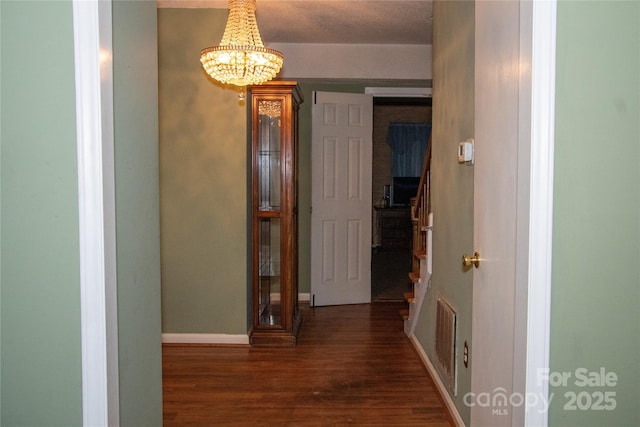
(446, 341)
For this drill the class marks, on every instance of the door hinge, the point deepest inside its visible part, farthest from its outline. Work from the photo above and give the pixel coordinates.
(310, 209)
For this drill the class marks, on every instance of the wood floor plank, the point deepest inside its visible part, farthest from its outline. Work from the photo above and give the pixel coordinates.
(353, 365)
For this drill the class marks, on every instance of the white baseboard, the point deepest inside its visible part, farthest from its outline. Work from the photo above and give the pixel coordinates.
(216, 338)
(439, 384)
(275, 297)
(205, 339)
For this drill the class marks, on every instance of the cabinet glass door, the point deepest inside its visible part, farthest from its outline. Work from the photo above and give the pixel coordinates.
(269, 195)
(269, 153)
(269, 274)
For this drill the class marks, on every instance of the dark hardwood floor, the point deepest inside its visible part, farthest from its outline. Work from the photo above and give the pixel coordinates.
(353, 365)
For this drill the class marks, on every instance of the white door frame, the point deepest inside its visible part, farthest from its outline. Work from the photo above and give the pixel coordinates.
(543, 77)
(100, 385)
(92, 28)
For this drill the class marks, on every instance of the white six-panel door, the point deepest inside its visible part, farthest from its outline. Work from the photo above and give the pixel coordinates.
(514, 96)
(341, 198)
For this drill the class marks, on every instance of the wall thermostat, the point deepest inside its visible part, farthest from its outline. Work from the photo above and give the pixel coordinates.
(465, 152)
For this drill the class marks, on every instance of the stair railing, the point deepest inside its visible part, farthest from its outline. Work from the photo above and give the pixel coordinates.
(420, 218)
(420, 208)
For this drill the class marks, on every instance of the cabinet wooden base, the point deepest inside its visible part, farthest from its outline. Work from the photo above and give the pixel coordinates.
(269, 337)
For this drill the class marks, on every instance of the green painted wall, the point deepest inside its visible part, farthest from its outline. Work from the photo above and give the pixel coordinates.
(203, 182)
(203, 178)
(137, 212)
(40, 283)
(452, 183)
(596, 222)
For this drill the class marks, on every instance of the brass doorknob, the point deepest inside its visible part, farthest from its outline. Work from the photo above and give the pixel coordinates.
(468, 260)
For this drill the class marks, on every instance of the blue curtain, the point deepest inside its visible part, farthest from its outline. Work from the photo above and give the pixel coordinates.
(408, 143)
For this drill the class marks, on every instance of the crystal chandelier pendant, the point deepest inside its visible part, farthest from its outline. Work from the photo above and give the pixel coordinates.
(241, 58)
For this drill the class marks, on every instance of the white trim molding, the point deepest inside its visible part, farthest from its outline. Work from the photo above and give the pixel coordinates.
(304, 297)
(92, 22)
(216, 339)
(541, 207)
(228, 339)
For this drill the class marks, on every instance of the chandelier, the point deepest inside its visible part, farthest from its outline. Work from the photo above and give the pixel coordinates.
(241, 58)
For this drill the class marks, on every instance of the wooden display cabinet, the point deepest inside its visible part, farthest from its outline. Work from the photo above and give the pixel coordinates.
(274, 217)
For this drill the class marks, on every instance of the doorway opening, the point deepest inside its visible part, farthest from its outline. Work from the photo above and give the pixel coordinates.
(391, 234)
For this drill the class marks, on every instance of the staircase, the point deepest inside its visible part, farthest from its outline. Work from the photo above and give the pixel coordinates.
(421, 265)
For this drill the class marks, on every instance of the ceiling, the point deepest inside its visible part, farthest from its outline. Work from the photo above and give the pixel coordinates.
(335, 21)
